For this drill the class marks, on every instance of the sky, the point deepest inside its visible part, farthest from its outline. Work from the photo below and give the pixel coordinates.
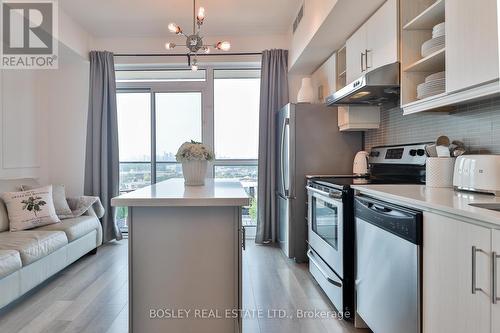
(179, 119)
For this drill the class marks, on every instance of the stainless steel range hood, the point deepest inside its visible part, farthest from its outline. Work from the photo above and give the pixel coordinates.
(376, 87)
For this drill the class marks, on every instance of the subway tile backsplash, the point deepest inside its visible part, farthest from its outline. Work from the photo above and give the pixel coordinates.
(476, 124)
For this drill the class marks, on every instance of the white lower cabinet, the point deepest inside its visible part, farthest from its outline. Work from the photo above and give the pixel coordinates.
(495, 310)
(456, 276)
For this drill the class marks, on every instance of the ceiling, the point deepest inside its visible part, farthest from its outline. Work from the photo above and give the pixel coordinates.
(150, 18)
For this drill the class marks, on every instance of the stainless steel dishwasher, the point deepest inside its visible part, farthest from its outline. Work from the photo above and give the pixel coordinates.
(388, 266)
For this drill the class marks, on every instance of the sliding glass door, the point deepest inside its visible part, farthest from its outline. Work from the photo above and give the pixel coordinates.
(151, 127)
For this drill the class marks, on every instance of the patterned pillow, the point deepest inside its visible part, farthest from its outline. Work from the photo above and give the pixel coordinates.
(59, 197)
(30, 209)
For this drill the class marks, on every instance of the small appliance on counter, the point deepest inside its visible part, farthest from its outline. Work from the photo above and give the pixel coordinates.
(478, 173)
(360, 165)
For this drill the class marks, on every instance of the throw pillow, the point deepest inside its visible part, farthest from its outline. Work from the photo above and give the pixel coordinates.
(30, 209)
(59, 196)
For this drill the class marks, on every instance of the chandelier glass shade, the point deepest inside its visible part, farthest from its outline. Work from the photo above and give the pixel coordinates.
(194, 41)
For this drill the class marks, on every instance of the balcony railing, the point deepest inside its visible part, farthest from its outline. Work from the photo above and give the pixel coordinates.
(137, 174)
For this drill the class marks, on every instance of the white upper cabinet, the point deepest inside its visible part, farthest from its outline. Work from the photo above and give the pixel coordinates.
(375, 43)
(469, 58)
(471, 43)
(382, 36)
(355, 54)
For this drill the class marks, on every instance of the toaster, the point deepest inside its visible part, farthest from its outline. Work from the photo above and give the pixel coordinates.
(478, 173)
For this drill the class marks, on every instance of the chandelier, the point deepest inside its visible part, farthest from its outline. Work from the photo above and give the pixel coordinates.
(194, 42)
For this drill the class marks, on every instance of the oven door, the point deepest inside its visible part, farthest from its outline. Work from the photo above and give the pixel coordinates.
(325, 220)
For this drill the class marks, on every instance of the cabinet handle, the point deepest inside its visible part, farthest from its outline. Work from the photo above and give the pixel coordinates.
(494, 267)
(366, 58)
(362, 67)
(475, 250)
(243, 238)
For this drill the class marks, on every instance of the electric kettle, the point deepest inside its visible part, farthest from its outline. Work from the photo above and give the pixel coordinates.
(360, 165)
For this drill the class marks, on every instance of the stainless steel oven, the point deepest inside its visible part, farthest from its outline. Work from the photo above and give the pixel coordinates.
(326, 234)
(326, 226)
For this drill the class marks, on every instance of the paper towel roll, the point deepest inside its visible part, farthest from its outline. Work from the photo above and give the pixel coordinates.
(439, 171)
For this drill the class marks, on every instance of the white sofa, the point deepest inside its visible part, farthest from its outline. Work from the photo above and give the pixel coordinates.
(29, 257)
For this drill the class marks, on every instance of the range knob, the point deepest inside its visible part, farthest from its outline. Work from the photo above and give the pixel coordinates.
(413, 152)
(375, 154)
(420, 152)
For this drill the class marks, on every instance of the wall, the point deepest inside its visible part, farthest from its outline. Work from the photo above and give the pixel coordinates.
(65, 103)
(315, 13)
(20, 143)
(43, 115)
(43, 122)
(73, 35)
(476, 124)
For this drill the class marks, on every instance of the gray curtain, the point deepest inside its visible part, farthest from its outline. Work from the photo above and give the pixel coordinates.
(273, 95)
(101, 156)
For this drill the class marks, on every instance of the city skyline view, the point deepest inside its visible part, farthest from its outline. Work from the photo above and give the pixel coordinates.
(236, 104)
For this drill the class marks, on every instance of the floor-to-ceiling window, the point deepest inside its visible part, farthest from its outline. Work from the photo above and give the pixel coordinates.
(158, 110)
(236, 132)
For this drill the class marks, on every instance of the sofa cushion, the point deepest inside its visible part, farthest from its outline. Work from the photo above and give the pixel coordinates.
(4, 217)
(33, 244)
(10, 185)
(10, 261)
(75, 227)
(59, 196)
(30, 209)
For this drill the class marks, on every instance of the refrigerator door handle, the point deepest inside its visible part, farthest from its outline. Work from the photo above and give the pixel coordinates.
(282, 157)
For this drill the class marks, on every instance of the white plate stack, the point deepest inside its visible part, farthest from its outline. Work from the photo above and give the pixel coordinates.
(434, 84)
(438, 30)
(436, 43)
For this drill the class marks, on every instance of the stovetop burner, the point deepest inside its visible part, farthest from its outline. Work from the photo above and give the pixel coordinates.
(360, 180)
(404, 164)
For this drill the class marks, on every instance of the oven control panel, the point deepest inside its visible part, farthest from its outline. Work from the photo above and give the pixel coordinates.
(413, 154)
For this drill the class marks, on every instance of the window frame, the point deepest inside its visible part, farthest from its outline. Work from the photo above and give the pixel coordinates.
(206, 88)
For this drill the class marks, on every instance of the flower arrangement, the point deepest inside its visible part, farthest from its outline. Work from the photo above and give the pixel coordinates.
(194, 151)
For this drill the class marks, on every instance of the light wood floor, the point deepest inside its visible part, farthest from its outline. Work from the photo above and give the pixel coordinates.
(91, 296)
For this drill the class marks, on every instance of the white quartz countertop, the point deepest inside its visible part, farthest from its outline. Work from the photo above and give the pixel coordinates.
(444, 200)
(173, 192)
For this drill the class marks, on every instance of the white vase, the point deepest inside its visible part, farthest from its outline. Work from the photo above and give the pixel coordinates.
(306, 92)
(194, 172)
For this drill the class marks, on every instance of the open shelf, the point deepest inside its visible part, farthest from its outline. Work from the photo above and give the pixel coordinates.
(341, 68)
(433, 15)
(434, 62)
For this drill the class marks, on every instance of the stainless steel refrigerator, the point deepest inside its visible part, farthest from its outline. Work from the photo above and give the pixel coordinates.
(309, 143)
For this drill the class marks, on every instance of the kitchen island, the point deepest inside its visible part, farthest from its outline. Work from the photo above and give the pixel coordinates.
(185, 256)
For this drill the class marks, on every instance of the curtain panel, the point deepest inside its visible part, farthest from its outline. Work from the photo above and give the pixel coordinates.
(101, 159)
(273, 95)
